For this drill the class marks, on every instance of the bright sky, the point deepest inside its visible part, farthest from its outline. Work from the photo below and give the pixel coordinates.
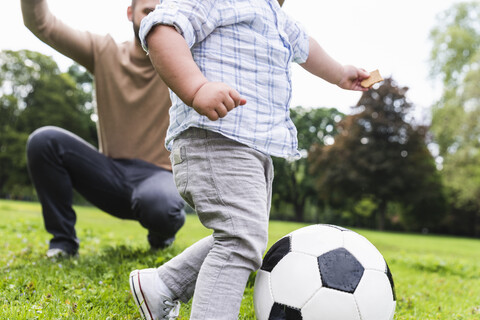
(388, 35)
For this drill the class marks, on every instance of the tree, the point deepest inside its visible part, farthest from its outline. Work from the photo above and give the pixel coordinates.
(377, 155)
(12, 149)
(455, 58)
(34, 93)
(456, 43)
(293, 183)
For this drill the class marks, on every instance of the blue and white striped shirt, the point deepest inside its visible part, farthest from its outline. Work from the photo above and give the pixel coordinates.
(249, 45)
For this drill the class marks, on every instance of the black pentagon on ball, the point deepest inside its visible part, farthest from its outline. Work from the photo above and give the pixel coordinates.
(279, 250)
(282, 312)
(390, 278)
(340, 270)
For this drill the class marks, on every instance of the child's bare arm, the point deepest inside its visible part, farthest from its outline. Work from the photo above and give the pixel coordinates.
(173, 61)
(322, 65)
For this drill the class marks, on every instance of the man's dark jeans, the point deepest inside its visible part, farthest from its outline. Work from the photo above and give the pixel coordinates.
(59, 161)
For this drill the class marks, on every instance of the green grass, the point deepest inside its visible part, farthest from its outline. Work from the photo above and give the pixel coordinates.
(435, 277)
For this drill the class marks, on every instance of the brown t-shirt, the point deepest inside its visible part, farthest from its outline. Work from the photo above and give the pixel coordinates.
(132, 100)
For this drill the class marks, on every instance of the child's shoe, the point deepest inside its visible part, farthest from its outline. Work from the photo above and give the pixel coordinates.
(152, 296)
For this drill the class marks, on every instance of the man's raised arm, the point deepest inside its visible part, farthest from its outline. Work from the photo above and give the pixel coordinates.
(74, 44)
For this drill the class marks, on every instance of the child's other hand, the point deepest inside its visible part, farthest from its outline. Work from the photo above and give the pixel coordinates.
(352, 77)
(215, 99)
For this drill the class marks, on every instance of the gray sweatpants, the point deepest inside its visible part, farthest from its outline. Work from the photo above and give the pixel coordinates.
(229, 185)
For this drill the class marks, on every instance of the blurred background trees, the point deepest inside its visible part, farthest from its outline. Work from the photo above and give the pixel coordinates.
(378, 156)
(455, 59)
(373, 168)
(34, 93)
(294, 186)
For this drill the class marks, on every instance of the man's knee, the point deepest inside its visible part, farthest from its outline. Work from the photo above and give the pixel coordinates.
(39, 145)
(159, 210)
(41, 139)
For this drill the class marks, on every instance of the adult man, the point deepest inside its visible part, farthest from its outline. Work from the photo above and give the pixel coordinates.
(130, 177)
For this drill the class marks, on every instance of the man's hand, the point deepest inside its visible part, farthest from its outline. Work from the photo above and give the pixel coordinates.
(215, 99)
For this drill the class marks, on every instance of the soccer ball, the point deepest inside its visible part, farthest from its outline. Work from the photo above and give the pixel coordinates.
(324, 272)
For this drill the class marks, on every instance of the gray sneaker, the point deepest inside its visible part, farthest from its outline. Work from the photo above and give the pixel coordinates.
(152, 296)
(55, 253)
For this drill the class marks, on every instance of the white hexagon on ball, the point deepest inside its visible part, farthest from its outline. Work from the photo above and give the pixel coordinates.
(262, 296)
(330, 304)
(374, 296)
(317, 239)
(295, 279)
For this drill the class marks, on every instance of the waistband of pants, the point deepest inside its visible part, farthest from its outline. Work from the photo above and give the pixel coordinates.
(194, 132)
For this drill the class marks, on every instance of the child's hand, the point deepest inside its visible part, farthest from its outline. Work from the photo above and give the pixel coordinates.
(215, 99)
(352, 77)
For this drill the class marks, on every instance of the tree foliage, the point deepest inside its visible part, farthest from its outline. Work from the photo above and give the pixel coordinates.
(456, 41)
(378, 155)
(35, 93)
(455, 59)
(293, 183)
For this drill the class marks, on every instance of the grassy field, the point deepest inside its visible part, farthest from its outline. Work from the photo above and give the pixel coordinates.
(435, 277)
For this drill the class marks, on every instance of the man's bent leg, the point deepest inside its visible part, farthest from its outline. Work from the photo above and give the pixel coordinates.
(59, 161)
(158, 207)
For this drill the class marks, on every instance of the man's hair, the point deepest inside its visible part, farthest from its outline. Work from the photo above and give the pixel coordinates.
(134, 2)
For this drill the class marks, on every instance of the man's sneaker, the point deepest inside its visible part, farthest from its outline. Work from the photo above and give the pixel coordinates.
(57, 253)
(158, 243)
(152, 296)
